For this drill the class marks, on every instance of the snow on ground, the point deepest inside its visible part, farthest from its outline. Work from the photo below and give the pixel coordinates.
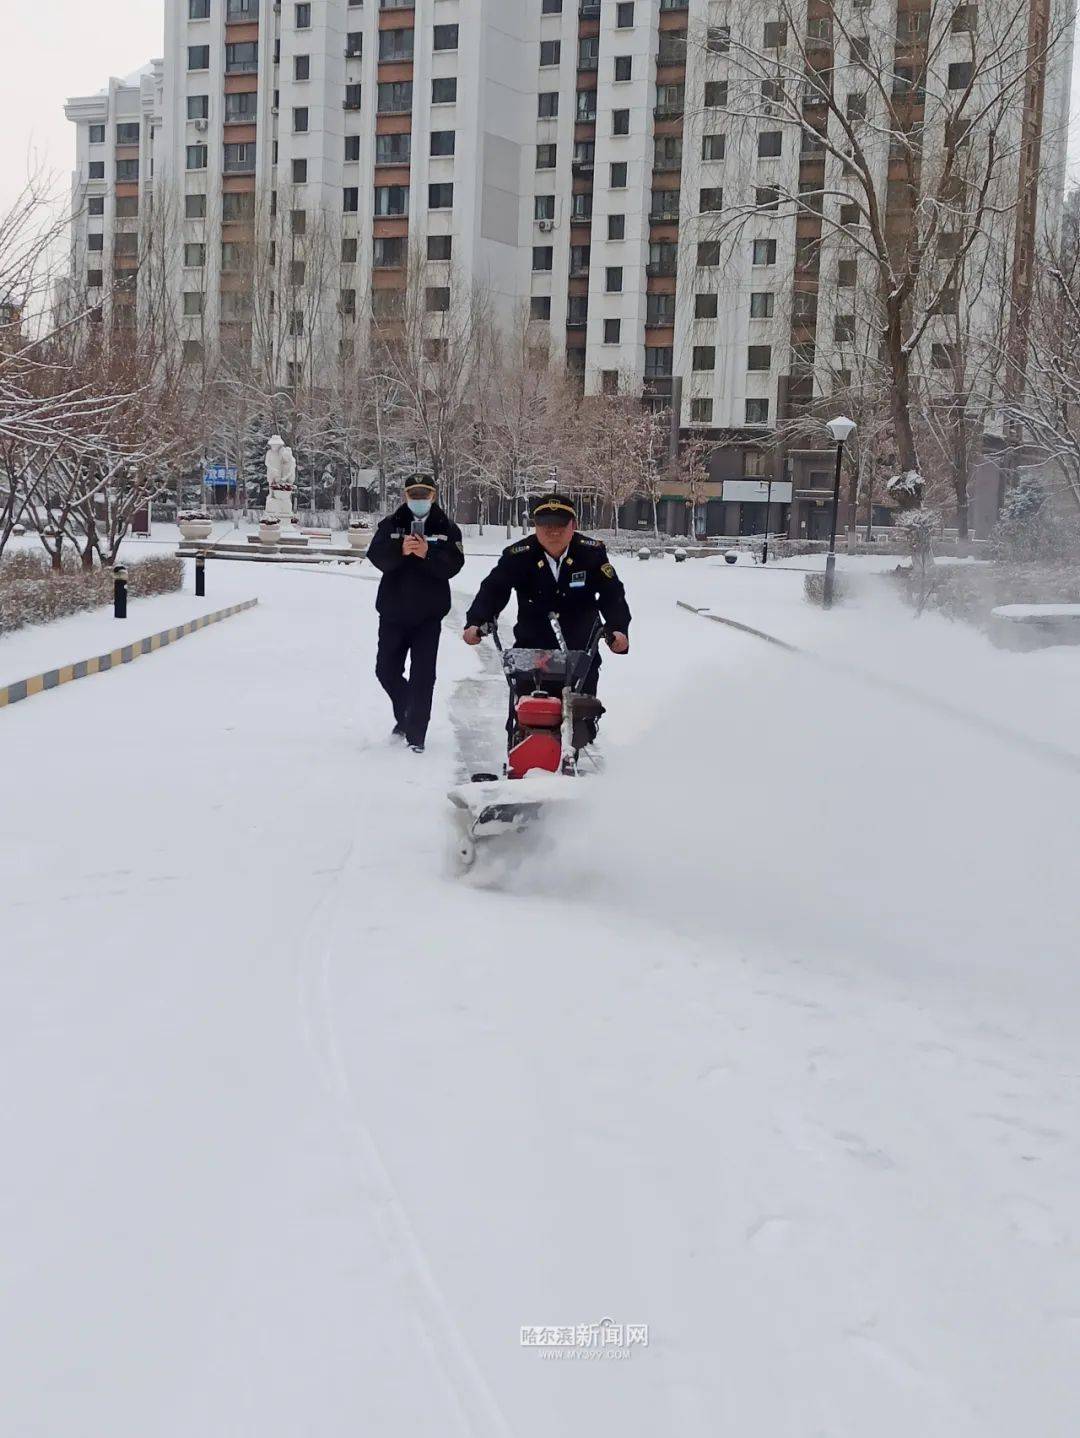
(768, 1044)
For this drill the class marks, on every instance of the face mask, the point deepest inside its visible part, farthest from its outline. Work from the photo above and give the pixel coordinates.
(420, 507)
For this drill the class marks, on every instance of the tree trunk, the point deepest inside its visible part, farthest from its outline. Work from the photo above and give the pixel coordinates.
(900, 397)
(655, 519)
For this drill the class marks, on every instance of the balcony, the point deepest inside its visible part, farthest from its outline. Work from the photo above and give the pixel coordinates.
(582, 167)
(589, 10)
(660, 268)
(664, 217)
(579, 272)
(669, 163)
(669, 111)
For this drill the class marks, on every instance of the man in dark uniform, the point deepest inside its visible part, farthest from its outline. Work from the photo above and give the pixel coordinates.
(419, 550)
(555, 570)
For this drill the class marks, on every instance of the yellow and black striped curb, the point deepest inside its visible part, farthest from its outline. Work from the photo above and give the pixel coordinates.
(52, 678)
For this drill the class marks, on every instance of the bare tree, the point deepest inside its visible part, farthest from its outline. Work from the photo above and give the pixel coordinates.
(891, 140)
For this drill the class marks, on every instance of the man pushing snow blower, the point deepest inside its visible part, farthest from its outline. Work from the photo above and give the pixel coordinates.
(569, 597)
(556, 571)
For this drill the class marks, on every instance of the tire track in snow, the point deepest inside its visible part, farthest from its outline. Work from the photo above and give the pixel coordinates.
(476, 1408)
(1004, 733)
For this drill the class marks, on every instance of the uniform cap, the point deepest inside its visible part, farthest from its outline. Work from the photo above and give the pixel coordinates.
(553, 509)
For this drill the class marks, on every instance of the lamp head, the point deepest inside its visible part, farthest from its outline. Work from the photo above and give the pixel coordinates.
(841, 428)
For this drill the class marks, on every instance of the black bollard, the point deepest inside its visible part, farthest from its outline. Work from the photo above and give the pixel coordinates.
(200, 576)
(120, 591)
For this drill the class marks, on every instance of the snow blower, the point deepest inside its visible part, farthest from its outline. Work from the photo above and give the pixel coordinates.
(551, 721)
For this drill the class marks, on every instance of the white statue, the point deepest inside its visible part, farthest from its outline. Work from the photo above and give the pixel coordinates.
(281, 477)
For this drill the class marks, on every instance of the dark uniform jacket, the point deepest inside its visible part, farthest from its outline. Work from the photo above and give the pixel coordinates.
(587, 586)
(414, 589)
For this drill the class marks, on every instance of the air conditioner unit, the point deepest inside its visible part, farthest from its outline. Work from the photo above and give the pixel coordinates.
(202, 126)
(546, 225)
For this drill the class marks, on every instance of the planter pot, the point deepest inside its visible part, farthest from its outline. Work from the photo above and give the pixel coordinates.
(359, 538)
(269, 533)
(196, 528)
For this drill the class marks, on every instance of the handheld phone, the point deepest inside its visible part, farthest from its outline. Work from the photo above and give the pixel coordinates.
(418, 527)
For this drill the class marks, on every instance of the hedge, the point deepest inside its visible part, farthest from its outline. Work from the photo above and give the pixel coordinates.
(31, 592)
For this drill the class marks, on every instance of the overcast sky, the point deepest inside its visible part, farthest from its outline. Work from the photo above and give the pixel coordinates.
(58, 48)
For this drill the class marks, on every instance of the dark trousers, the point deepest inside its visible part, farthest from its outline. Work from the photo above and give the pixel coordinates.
(410, 697)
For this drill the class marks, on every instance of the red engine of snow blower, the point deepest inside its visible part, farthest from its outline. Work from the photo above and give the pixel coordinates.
(539, 718)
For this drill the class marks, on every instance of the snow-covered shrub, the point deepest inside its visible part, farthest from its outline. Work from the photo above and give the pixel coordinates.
(906, 489)
(1029, 528)
(814, 588)
(32, 593)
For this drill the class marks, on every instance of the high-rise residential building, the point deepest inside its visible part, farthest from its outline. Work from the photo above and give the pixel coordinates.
(579, 160)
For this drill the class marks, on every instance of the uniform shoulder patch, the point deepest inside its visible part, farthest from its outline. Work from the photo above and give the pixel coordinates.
(591, 543)
(608, 571)
(517, 549)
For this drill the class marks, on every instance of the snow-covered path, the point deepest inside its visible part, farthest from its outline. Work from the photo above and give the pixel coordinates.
(771, 1049)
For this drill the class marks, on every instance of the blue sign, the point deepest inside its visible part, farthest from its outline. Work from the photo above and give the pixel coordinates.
(220, 474)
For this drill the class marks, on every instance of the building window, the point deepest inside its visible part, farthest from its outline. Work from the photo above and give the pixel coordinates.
(847, 273)
(964, 19)
(659, 310)
(620, 122)
(388, 252)
(761, 304)
(616, 227)
(392, 149)
(396, 45)
(242, 58)
(443, 142)
(350, 200)
(613, 280)
(127, 134)
(757, 411)
(624, 67)
(550, 52)
(624, 15)
(198, 57)
(196, 157)
(612, 331)
(298, 222)
(708, 253)
(769, 144)
(239, 159)
(849, 214)
(446, 37)
(97, 170)
(97, 134)
(775, 34)
(758, 357)
(349, 250)
(713, 147)
(395, 97)
(544, 207)
(541, 257)
(194, 207)
(844, 329)
(193, 302)
(301, 67)
(704, 357)
(550, 7)
(941, 356)
(705, 306)
(441, 197)
(580, 260)
(300, 119)
(547, 104)
(437, 299)
(352, 147)
(242, 207)
(716, 95)
(354, 45)
(960, 73)
(444, 90)
(96, 205)
(711, 200)
(540, 307)
(618, 175)
(439, 247)
(659, 361)
(701, 411)
(392, 200)
(240, 107)
(546, 156)
(198, 9)
(303, 17)
(127, 207)
(95, 243)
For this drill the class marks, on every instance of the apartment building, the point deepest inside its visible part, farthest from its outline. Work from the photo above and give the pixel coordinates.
(569, 156)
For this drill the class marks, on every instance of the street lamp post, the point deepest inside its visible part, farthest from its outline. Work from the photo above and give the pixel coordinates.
(840, 429)
(768, 506)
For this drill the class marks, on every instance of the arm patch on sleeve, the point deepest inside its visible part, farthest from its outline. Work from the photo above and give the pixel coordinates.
(607, 571)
